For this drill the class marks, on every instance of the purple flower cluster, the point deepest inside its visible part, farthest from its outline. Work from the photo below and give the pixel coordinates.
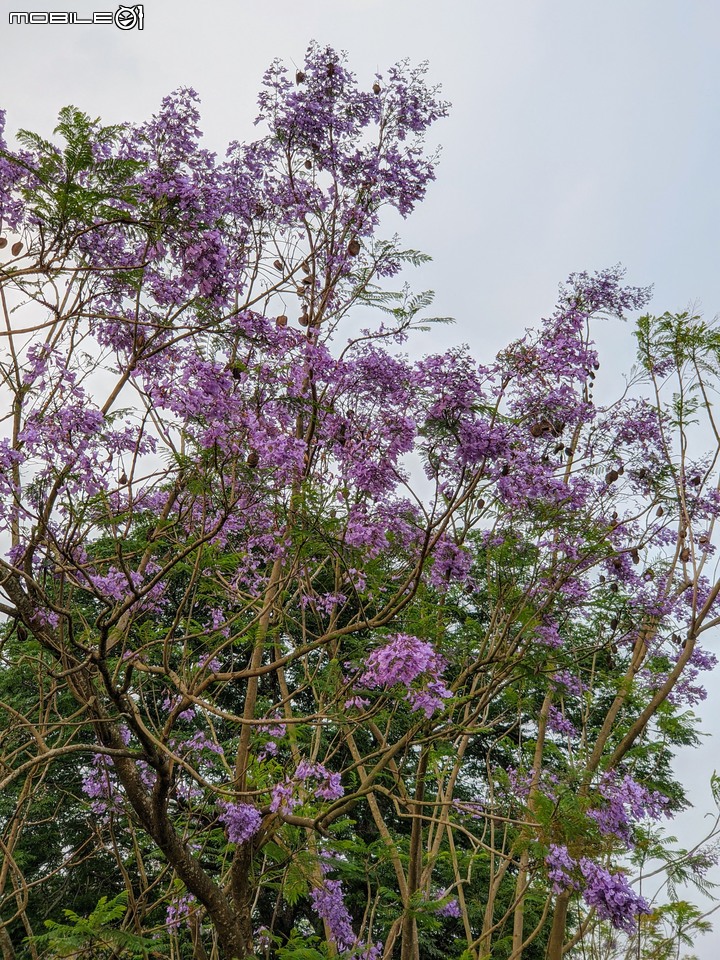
(610, 893)
(328, 901)
(285, 796)
(612, 896)
(626, 802)
(241, 820)
(403, 660)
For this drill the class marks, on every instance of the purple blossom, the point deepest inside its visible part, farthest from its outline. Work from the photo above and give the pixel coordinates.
(612, 896)
(241, 820)
(626, 802)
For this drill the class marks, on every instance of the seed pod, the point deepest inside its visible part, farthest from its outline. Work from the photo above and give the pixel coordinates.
(685, 554)
(569, 451)
(480, 504)
(614, 623)
(299, 77)
(621, 469)
(703, 539)
(596, 366)
(253, 458)
(675, 638)
(16, 248)
(614, 588)
(696, 481)
(123, 478)
(305, 266)
(540, 428)
(278, 264)
(300, 290)
(642, 473)
(259, 210)
(617, 563)
(308, 280)
(635, 555)
(3, 242)
(376, 88)
(354, 247)
(308, 164)
(659, 512)
(281, 321)
(611, 476)
(304, 320)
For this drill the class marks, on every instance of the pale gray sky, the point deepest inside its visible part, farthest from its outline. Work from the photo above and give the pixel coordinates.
(583, 133)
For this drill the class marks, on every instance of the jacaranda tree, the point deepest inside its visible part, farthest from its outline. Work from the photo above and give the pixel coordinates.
(310, 650)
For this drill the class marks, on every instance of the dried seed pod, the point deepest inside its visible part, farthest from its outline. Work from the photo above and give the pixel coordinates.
(304, 320)
(260, 210)
(696, 481)
(635, 555)
(299, 77)
(569, 451)
(685, 554)
(611, 476)
(300, 290)
(614, 623)
(308, 280)
(659, 512)
(253, 458)
(305, 267)
(614, 588)
(505, 470)
(16, 248)
(308, 164)
(480, 504)
(675, 638)
(3, 242)
(354, 247)
(540, 428)
(123, 478)
(376, 88)
(278, 264)
(703, 539)
(282, 320)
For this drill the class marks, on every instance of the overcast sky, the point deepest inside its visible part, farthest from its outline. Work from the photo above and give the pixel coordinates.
(583, 133)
